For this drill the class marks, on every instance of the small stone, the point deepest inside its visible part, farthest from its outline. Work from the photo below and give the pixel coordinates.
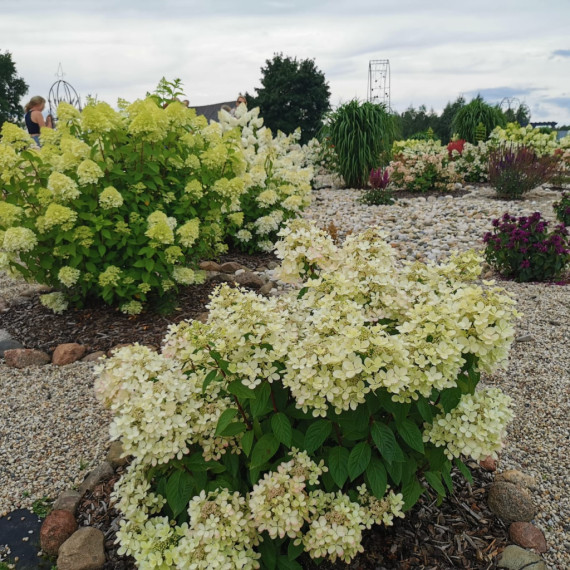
(84, 550)
(67, 353)
(527, 535)
(488, 464)
(22, 357)
(57, 527)
(517, 477)
(3, 305)
(511, 502)
(8, 344)
(249, 279)
(524, 338)
(202, 317)
(272, 265)
(231, 267)
(516, 558)
(266, 289)
(209, 266)
(67, 501)
(100, 473)
(93, 357)
(115, 455)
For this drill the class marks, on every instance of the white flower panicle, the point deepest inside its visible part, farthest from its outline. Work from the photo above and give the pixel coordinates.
(475, 427)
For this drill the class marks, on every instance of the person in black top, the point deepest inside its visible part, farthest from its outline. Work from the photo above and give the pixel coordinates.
(34, 118)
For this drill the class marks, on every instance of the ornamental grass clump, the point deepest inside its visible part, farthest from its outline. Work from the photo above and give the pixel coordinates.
(360, 133)
(523, 249)
(284, 427)
(515, 170)
(562, 208)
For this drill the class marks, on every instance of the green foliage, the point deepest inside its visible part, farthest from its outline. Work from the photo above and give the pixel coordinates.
(294, 94)
(167, 92)
(562, 208)
(360, 133)
(443, 128)
(118, 206)
(520, 115)
(480, 132)
(42, 507)
(12, 89)
(523, 248)
(414, 123)
(467, 119)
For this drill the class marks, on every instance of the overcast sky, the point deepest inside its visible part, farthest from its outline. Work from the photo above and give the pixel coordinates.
(437, 49)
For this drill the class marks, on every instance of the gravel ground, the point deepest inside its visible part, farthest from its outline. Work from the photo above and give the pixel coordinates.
(52, 429)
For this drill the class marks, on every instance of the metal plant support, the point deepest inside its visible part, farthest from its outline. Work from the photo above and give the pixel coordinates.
(62, 91)
(379, 81)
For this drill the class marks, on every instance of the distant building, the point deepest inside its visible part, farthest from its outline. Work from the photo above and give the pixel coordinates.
(549, 124)
(211, 111)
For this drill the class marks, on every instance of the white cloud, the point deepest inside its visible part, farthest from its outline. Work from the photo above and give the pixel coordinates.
(217, 48)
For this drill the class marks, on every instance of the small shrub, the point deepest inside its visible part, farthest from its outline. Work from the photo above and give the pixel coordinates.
(379, 194)
(420, 166)
(515, 170)
(523, 249)
(293, 423)
(562, 208)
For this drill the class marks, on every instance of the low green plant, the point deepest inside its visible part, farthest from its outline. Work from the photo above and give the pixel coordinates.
(42, 507)
(467, 120)
(480, 132)
(378, 194)
(360, 133)
(562, 208)
(251, 435)
(523, 249)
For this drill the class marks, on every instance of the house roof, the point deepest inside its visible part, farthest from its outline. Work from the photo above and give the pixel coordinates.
(211, 111)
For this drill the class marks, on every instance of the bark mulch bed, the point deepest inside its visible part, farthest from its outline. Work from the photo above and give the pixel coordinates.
(459, 533)
(100, 327)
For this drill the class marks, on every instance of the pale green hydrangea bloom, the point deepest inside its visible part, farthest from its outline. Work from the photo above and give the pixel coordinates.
(19, 240)
(54, 301)
(56, 215)
(132, 308)
(188, 233)
(9, 214)
(68, 276)
(111, 276)
(89, 172)
(110, 197)
(64, 189)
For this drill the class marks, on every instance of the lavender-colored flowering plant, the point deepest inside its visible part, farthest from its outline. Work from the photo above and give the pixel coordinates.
(523, 248)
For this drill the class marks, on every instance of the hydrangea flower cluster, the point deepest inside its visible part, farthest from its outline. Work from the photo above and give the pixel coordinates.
(147, 190)
(278, 175)
(474, 428)
(240, 477)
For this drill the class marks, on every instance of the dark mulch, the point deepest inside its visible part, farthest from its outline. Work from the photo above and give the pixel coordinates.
(459, 533)
(100, 327)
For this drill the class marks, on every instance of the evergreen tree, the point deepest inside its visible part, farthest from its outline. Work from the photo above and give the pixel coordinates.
(443, 128)
(12, 89)
(293, 94)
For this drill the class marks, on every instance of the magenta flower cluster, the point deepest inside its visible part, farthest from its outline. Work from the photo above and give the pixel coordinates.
(523, 248)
